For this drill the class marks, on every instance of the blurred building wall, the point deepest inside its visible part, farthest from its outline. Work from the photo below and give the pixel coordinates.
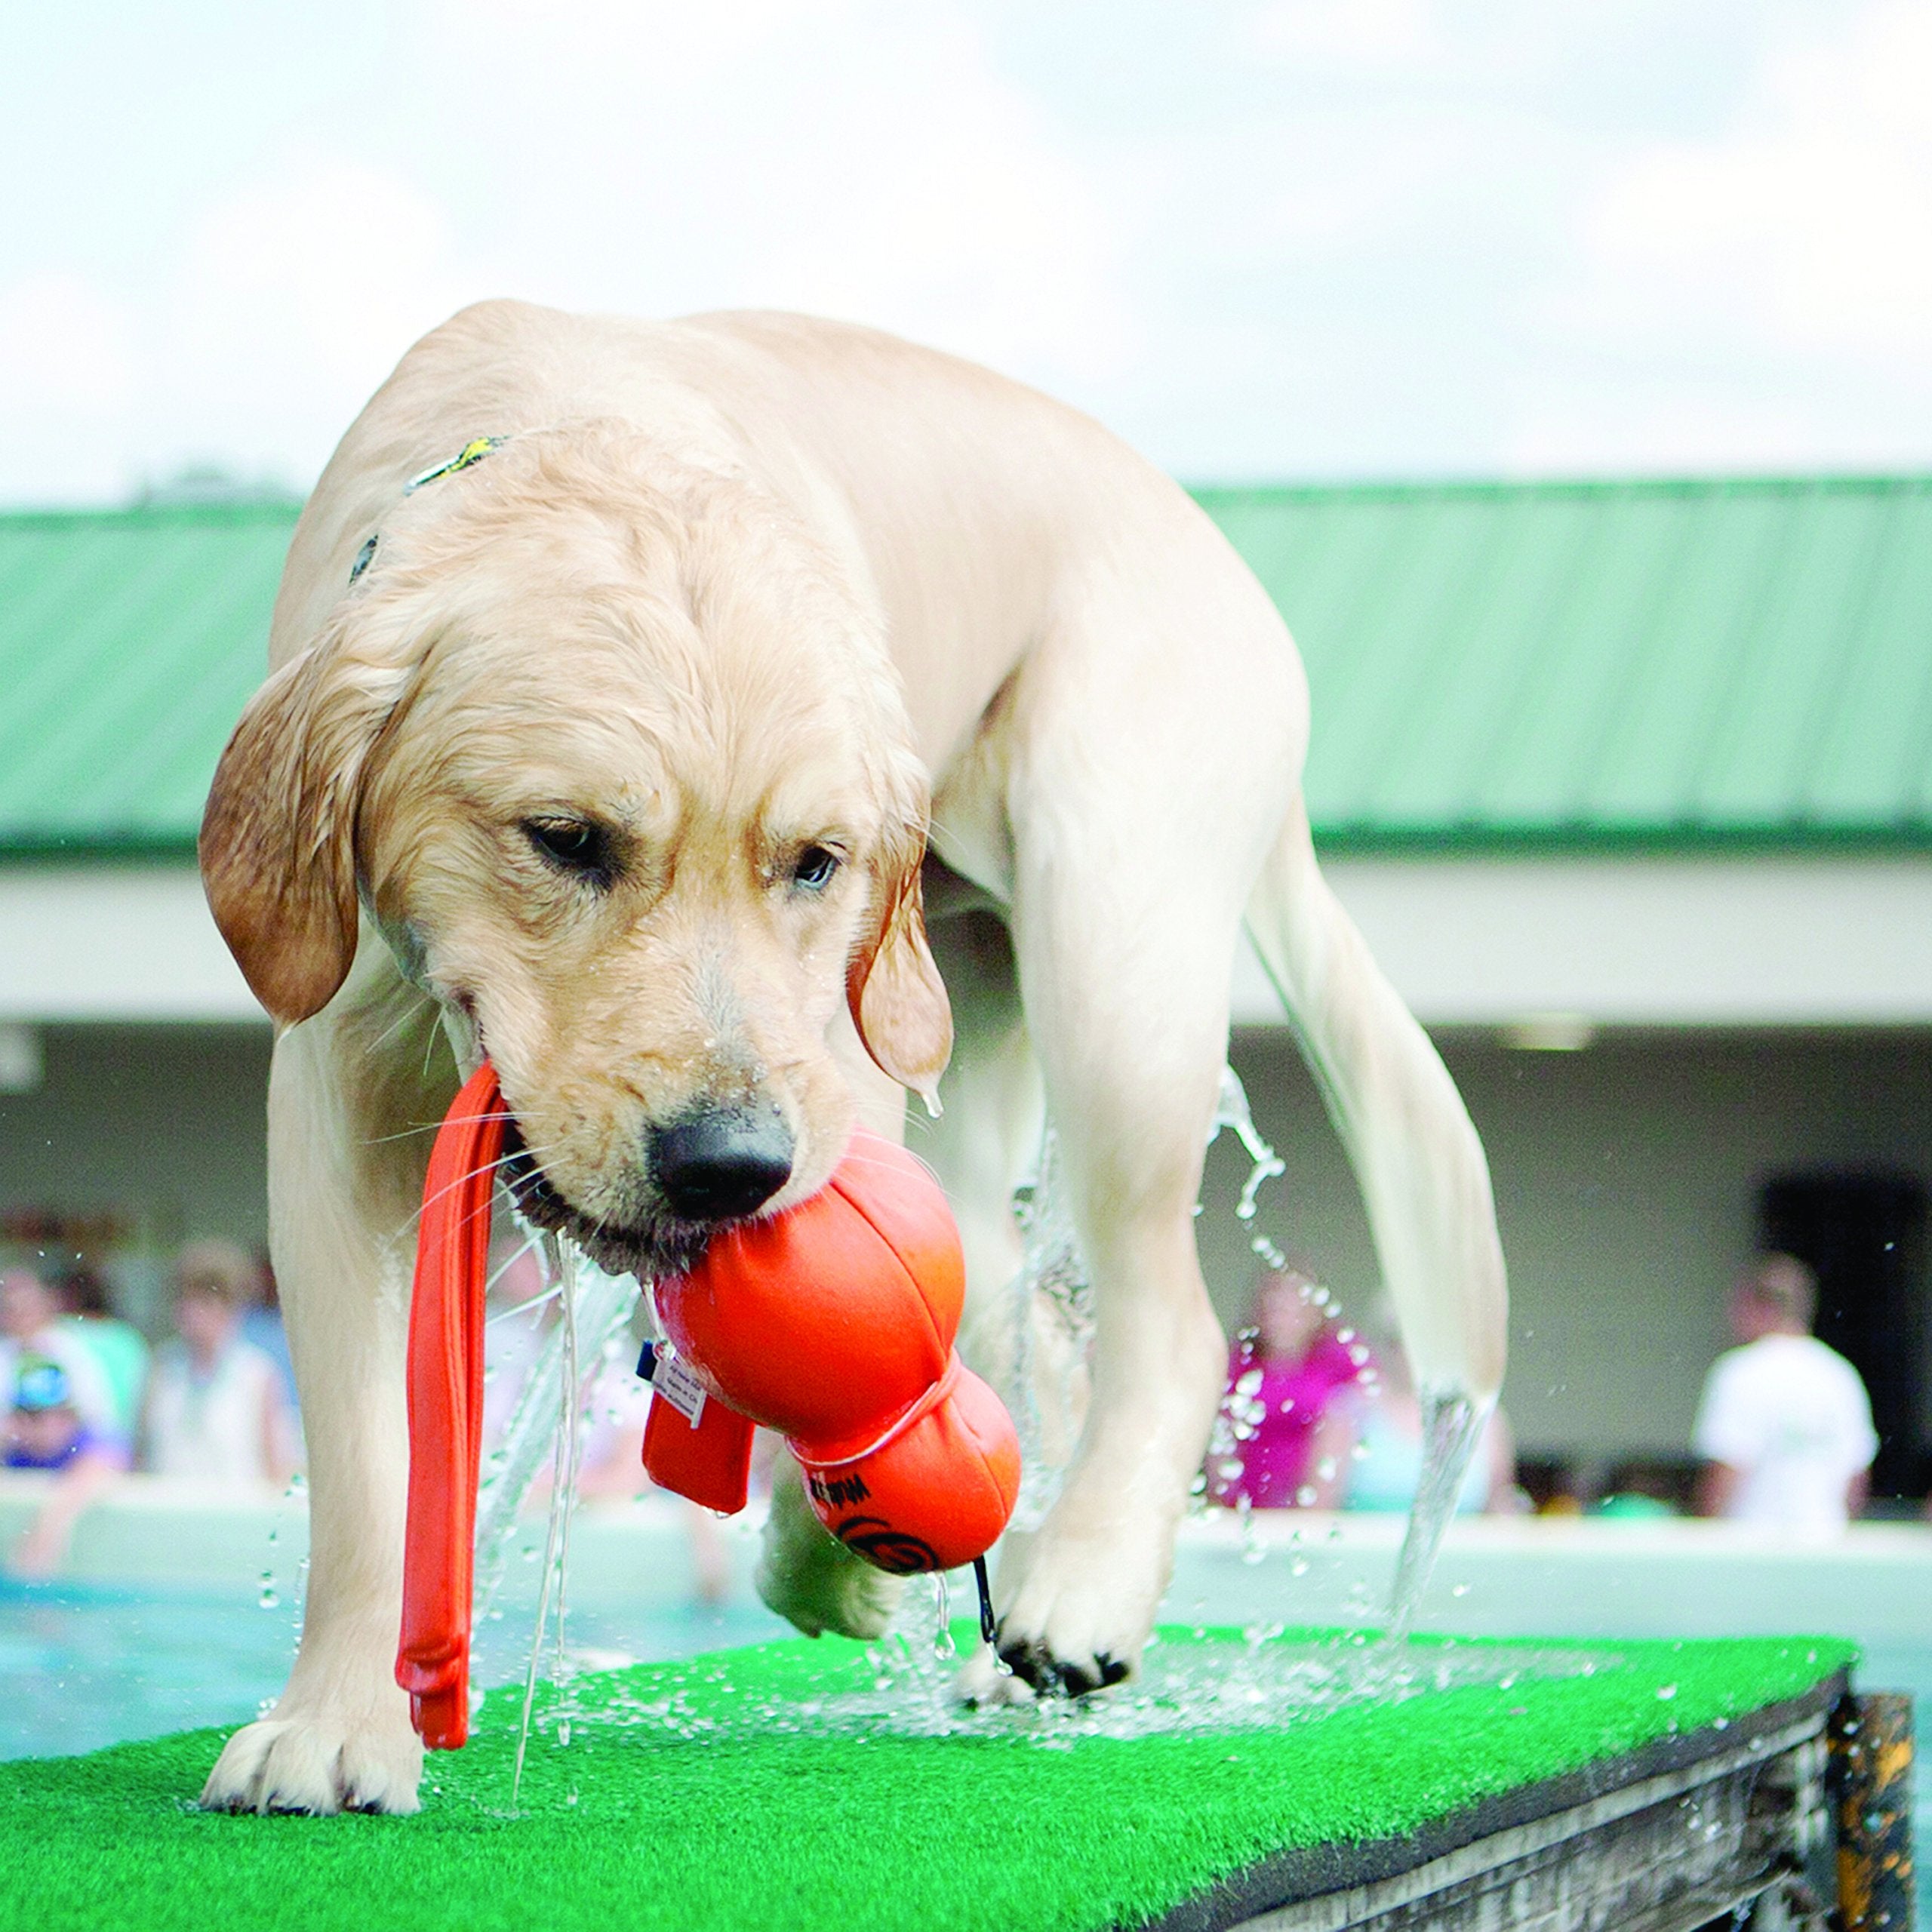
(1626, 1178)
(141, 1137)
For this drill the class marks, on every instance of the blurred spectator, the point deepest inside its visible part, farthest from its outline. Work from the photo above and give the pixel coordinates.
(45, 1430)
(610, 1449)
(1653, 1486)
(1288, 1420)
(518, 1319)
(613, 1465)
(30, 1325)
(1385, 1469)
(117, 1346)
(1785, 1426)
(215, 1410)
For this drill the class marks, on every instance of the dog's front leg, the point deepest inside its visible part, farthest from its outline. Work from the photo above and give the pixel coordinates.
(809, 1577)
(1123, 935)
(345, 1179)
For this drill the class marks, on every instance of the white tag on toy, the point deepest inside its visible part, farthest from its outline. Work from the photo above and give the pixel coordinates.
(674, 1381)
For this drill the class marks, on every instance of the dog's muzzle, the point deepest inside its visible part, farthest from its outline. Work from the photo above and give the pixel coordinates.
(705, 1169)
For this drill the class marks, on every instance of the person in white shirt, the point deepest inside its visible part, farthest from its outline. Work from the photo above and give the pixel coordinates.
(215, 1410)
(1784, 1426)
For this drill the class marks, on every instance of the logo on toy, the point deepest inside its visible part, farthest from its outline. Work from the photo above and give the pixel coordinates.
(886, 1549)
(835, 1492)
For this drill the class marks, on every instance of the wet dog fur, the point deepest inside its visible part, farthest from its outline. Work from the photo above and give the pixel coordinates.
(628, 755)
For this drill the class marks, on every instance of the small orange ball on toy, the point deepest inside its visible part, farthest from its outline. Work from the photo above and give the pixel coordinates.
(936, 1493)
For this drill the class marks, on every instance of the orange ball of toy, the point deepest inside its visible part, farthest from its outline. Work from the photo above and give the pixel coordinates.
(935, 1495)
(827, 1321)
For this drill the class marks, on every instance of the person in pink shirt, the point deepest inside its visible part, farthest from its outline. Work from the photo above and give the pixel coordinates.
(1288, 1418)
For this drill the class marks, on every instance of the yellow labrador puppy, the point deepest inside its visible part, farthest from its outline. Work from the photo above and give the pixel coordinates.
(616, 750)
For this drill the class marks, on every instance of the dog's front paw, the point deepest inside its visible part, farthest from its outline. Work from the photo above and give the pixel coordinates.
(847, 1596)
(1075, 1613)
(812, 1580)
(317, 1763)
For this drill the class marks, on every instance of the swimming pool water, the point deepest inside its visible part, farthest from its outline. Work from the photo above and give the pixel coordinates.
(81, 1667)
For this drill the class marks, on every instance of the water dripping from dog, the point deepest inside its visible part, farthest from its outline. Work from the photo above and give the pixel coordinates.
(1051, 1320)
(547, 1425)
(1050, 1308)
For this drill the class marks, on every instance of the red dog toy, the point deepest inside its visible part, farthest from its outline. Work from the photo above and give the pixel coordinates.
(833, 1324)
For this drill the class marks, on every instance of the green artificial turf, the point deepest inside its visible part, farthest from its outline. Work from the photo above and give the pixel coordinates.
(780, 1787)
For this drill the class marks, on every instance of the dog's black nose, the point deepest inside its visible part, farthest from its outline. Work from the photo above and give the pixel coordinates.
(716, 1166)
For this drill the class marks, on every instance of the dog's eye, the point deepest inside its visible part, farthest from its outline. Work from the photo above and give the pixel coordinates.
(815, 868)
(572, 845)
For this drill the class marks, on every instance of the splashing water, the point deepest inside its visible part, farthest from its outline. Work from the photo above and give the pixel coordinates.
(1052, 1316)
(602, 1305)
(1260, 1683)
(1051, 1302)
(1053, 1291)
(561, 1262)
(1232, 1111)
(548, 1424)
(1452, 1425)
(912, 1664)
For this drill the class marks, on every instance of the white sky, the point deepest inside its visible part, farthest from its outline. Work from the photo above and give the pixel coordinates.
(1260, 238)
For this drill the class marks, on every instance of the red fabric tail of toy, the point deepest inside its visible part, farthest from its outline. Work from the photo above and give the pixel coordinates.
(708, 1461)
(446, 1413)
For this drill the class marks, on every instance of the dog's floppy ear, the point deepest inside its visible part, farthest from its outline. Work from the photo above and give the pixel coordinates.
(897, 999)
(278, 843)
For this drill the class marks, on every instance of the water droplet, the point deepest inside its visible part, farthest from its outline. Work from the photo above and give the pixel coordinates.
(1459, 1589)
(564, 1731)
(1665, 1692)
(269, 1597)
(1305, 1496)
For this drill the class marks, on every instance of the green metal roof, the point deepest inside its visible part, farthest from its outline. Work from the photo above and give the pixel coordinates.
(1507, 664)
(129, 642)
(1705, 662)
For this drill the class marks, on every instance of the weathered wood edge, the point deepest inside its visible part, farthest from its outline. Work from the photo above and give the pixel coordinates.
(1289, 1877)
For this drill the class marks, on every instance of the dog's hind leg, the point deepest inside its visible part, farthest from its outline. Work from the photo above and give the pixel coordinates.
(1420, 1166)
(351, 1118)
